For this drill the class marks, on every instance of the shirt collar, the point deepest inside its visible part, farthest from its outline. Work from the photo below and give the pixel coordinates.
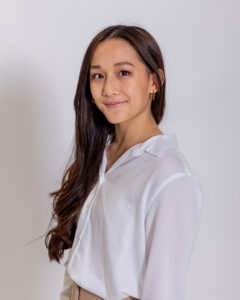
(155, 145)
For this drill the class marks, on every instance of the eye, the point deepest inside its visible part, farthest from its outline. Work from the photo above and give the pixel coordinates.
(93, 76)
(125, 71)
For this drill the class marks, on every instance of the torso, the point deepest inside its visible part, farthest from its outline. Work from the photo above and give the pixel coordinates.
(112, 157)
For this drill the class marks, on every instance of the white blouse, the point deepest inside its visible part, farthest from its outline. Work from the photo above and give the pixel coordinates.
(137, 228)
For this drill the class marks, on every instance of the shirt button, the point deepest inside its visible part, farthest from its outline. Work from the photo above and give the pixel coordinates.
(88, 205)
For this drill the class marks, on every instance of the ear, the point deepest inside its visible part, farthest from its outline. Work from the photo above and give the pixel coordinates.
(155, 82)
(162, 75)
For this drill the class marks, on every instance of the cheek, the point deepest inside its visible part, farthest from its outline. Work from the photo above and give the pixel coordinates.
(137, 93)
(131, 88)
(95, 91)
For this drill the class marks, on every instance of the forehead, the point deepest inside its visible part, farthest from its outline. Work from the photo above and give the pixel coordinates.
(111, 51)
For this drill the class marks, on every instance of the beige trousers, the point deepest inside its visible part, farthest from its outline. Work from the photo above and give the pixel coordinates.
(79, 293)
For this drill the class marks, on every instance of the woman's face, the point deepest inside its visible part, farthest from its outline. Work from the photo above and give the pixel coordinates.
(117, 75)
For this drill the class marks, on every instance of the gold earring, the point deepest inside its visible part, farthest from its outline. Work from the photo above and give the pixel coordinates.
(92, 101)
(152, 96)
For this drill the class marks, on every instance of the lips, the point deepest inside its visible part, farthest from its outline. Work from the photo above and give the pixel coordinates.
(115, 104)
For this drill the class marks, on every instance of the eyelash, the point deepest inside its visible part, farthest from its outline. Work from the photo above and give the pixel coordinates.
(93, 76)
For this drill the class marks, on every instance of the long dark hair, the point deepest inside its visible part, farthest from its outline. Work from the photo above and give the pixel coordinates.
(91, 132)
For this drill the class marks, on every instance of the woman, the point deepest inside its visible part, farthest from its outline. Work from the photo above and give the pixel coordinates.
(129, 207)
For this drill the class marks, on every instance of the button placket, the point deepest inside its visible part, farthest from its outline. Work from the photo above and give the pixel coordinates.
(87, 216)
(89, 205)
(90, 200)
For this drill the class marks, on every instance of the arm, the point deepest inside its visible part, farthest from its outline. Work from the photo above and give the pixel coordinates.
(67, 282)
(172, 222)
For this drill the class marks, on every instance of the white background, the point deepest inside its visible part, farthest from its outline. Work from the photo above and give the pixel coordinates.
(42, 46)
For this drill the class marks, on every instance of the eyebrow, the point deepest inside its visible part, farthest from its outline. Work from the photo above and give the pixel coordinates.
(116, 64)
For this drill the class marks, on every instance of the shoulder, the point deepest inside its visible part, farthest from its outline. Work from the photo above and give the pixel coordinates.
(173, 170)
(170, 163)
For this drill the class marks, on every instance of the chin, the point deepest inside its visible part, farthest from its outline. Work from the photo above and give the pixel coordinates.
(115, 119)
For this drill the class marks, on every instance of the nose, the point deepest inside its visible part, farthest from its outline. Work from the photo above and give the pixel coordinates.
(110, 86)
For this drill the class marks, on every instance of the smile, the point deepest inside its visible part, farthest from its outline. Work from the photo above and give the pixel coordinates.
(115, 104)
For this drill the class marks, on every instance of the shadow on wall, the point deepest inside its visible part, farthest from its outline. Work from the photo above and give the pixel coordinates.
(29, 139)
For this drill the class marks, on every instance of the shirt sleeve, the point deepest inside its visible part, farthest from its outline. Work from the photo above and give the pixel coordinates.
(67, 282)
(171, 223)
